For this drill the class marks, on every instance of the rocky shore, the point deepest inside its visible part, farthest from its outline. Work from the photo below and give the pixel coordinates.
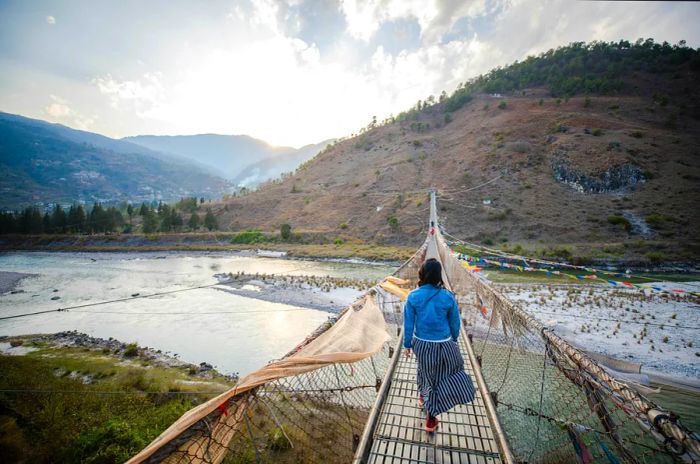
(9, 280)
(20, 345)
(329, 294)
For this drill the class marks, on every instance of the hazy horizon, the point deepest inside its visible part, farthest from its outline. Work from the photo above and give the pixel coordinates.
(288, 73)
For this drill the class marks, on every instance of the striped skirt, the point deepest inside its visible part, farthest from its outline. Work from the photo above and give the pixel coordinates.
(441, 377)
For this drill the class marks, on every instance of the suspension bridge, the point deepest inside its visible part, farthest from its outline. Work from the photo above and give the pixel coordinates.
(347, 394)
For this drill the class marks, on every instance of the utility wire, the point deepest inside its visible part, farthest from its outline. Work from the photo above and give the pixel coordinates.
(118, 300)
(175, 313)
(455, 192)
(98, 303)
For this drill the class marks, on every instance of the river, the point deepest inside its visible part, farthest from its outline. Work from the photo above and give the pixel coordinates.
(232, 332)
(197, 325)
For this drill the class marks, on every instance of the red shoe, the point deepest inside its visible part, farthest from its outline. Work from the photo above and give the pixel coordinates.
(420, 401)
(431, 423)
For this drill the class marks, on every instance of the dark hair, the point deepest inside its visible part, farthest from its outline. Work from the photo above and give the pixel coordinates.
(431, 273)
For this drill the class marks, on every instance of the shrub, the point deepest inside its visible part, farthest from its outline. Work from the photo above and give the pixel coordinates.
(655, 219)
(393, 222)
(131, 350)
(587, 102)
(502, 105)
(457, 100)
(249, 236)
(277, 440)
(597, 132)
(285, 231)
(655, 256)
(344, 226)
(621, 221)
(561, 252)
(637, 134)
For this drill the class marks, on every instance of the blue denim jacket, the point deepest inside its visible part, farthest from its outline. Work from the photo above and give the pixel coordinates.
(430, 313)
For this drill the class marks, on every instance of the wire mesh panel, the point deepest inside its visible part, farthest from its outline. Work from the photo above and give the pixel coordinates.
(555, 404)
(313, 416)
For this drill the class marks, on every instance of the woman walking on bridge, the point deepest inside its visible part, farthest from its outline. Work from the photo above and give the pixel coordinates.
(431, 329)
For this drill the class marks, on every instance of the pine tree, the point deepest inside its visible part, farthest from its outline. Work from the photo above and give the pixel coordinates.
(8, 223)
(82, 219)
(150, 222)
(176, 220)
(59, 220)
(31, 221)
(76, 219)
(193, 223)
(165, 217)
(97, 219)
(210, 221)
(46, 223)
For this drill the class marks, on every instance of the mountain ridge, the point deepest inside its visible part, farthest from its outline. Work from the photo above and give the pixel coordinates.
(631, 138)
(45, 162)
(232, 156)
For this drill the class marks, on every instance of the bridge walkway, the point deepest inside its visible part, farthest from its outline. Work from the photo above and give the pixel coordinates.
(465, 434)
(396, 433)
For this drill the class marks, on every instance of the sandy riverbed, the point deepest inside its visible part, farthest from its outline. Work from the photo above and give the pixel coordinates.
(655, 330)
(323, 296)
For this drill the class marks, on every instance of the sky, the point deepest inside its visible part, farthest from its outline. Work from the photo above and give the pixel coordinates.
(288, 72)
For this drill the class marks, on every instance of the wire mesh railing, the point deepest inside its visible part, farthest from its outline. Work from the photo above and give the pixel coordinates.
(313, 416)
(555, 404)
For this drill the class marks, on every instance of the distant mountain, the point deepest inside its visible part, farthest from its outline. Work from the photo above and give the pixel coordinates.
(241, 158)
(44, 162)
(273, 167)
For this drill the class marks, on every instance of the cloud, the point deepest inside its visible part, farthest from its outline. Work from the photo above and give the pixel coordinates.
(60, 111)
(139, 95)
(435, 17)
(50, 20)
(58, 108)
(293, 73)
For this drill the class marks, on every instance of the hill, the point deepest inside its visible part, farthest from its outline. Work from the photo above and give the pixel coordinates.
(49, 163)
(274, 166)
(240, 158)
(587, 150)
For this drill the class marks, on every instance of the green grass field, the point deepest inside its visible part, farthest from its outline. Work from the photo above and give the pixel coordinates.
(62, 404)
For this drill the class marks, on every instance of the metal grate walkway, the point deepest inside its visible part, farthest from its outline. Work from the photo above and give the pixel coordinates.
(395, 432)
(464, 435)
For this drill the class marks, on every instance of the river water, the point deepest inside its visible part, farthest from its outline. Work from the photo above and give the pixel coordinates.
(234, 333)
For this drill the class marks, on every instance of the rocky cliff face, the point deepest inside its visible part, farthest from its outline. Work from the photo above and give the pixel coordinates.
(614, 179)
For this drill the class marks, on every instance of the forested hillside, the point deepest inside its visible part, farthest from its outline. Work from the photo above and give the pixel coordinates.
(47, 163)
(589, 150)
